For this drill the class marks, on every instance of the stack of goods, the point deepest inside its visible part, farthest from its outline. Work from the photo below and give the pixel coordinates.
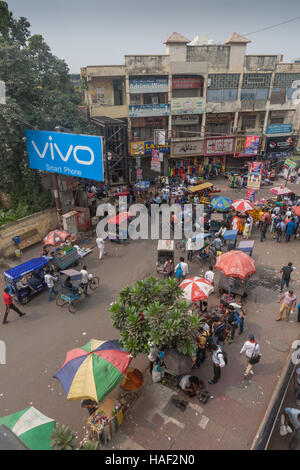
(105, 421)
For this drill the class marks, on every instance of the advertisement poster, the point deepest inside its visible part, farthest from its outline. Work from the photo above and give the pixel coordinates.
(187, 148)
(137, 148)
(139, 174)
(251, 195)
(247, 146)
(280, 144)
(219, 146)
(187, 105)
(67, 154)
(155, 163)
(254, 176)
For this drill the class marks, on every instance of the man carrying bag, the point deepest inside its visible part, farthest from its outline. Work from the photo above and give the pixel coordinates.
(253, 354)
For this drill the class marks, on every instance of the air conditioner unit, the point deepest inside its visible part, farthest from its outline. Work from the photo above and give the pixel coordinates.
(154, 99)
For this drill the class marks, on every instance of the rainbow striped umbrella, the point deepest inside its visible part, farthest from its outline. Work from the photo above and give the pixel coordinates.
(94, 370)
(221, 203)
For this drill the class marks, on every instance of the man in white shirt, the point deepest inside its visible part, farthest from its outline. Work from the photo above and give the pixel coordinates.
(251, 349)
(84, 280)
(49, 280)
(292, 417)
(100, 244)
(210, 275)
(184, 269)
(190, 385)
(218, 363)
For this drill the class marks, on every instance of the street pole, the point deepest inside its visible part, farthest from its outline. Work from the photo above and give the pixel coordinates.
(57, 199)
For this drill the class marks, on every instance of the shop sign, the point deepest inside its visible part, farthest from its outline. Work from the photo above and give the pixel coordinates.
(187, 105)
(290, 163)
(149, 146)
(185, 120)
(137, 148)
(280, 144)
(183, 83)
(219, 146)
(254, 175)
(66, 154)
(279, 129)
(187, 148)
(218, 117)
(144, 110)
(247, 146)
(148, 85)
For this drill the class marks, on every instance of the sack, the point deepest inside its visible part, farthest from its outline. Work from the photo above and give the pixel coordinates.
(179, 272)
(225, 357)
(157, 374)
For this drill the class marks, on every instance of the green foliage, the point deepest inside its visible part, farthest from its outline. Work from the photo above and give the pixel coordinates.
(39, 95)
(153, 312)
(89, 445)
(62, 438)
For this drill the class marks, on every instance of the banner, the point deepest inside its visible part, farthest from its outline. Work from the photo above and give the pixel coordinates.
(279, 129)
(254, 176)
(219, 146)
(67, 154)
(247, 146)
(159, 137)
(137, 148)
(187, 105)
(251, 195)
(139, 174)
(155, 163)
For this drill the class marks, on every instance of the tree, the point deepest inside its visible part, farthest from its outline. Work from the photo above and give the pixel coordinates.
(39, 95)
(153, 312)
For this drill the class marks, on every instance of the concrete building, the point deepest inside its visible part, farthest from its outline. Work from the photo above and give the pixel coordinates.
(216, 104)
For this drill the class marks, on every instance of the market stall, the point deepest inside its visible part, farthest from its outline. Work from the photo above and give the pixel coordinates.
(105, 421)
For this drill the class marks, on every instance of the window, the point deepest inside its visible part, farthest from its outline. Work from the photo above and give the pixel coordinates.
(218, 128)
(254, 94)
(277, 120)
(157, 98)
(135, 99)
(248, 122)
(118, 92)
(218, 96)
(185, 93)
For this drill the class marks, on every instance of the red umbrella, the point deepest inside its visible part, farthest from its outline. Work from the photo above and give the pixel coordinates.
(296, 210)
(196, 288)
(236, 263)
(56, 237)
(243, 205)
(280, 190)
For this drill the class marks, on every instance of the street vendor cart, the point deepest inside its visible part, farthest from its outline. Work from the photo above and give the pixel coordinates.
(230, 238)
(64, 257)
(165, 251)
(105, 421)
(246, 246)
(238, 286)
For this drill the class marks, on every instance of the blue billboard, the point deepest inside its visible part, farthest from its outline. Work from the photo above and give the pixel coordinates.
(279, 129)
(66, 154)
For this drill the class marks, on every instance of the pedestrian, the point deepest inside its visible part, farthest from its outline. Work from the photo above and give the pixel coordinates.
(50, 279)
(181, 270)
(280, 228)
(219, 361)
(100, 244)
(289, 230)
(201, 340)
(210, 275)
(84, 280)
(247, 231)
(8, 300)
(153, 357)
(288, 304)
(286, 275)
(217, 244)
(168, 268)
(263, 229)
(90, 405)
(253, 354)
(234, 322)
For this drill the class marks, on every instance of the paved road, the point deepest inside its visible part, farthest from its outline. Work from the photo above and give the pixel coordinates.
(36, 347)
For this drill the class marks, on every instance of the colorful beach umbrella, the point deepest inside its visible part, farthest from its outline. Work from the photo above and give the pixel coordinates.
(243, 205)
(32, 427)
(56, 237)
(221, 203)
(196, 288)
(280, 190)
(235, 263)
(94, 370)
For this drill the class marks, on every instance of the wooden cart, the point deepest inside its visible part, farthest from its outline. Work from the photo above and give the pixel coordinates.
(103, 433)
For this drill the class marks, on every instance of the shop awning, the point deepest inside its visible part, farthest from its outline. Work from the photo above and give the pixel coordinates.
(200, 187)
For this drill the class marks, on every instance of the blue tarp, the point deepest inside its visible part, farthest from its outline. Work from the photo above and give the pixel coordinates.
(230, 234)
(32, 265)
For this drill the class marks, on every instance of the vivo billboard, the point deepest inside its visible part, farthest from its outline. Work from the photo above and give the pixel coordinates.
(66, 154)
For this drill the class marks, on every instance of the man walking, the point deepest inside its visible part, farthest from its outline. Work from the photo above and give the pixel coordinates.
(286, 275)
(290, 228)
(84, 280)
(9, 305)
(252, 352)
(100, 244)
(50, 279)
(181, 270)
(218, 362)
(263, 229)
(288, 304)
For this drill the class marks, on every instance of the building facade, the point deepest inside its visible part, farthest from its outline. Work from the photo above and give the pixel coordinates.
(216, 105)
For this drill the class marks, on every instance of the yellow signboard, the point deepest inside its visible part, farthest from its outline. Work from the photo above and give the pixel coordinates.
(137, 149)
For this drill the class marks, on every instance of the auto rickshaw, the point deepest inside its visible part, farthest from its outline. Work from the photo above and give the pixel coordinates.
(26, 279)
(165, 251)
(116, 232)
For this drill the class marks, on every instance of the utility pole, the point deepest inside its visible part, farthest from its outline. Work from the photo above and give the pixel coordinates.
(56, 190)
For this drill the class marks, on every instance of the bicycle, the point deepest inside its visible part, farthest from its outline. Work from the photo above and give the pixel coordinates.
(94, 282)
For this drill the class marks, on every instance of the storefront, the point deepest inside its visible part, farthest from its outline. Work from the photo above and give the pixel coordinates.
(149, 160)
(247, 147)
